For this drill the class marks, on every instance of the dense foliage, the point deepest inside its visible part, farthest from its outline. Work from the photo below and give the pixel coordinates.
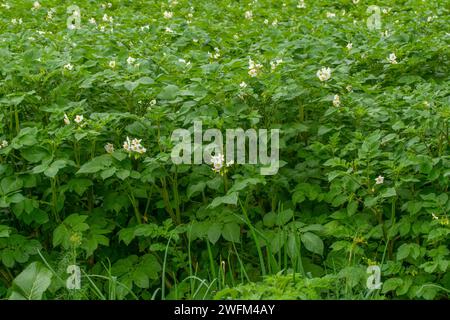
(364, 149)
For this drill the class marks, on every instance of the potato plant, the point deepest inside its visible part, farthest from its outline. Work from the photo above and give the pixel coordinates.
(93, 206)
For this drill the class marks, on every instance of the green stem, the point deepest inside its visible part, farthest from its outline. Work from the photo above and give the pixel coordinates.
(211, 260)
(255, 238)
(55, 200)
(135, 204)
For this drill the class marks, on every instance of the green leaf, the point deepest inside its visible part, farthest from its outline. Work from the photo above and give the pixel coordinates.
(97, 164)
(169, 92)
(391, 284)
(306, 190)
(5, 231)
(31, 283)
(403, 252)
(53, 169)
(389, 192)
(10, 184)
(352, 207)
(8, 258)
(214, 232)
(35, 154)
(131, 85)
(231, 198)
(105, 174)
(119, 155)
(242, 184)
(312, 242)
(146, 80)
(80, 185)
(194, 189)
(26, 137)
(284, 216)
(123, 174)
(231, 232)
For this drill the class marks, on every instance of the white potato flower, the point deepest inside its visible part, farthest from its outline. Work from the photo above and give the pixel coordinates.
(274, 64)
(336, 100)
(131, 60)
(168, 14)
(109, 147)
(66, 119)
(349, 46)
(218, 162)
(385, 34)
(216, 54)
(301, 4)
(112, 64)
(324, 74)
(248, 15)
(50, 13)
(392, 58)
(379, 180)
(68, 66)
(78, 118)
(134, 146)
(254, 68)
(243, 85)
(4, 144)
(16, 21)
(107, 18)
(187, 63)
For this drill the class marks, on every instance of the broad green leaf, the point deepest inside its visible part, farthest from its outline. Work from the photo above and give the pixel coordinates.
(387, 193)
(31, 283)
(169, 92)
(231, 232)
(97, 164)
(214, 232)
(231, 198)
(312, 242)
(391, 284)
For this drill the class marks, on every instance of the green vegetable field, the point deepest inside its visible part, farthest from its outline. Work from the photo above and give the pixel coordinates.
(220, 149)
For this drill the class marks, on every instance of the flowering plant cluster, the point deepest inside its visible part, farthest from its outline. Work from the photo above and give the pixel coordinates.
(92, 92)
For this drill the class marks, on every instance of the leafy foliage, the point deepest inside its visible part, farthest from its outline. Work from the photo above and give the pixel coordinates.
(364, 154)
